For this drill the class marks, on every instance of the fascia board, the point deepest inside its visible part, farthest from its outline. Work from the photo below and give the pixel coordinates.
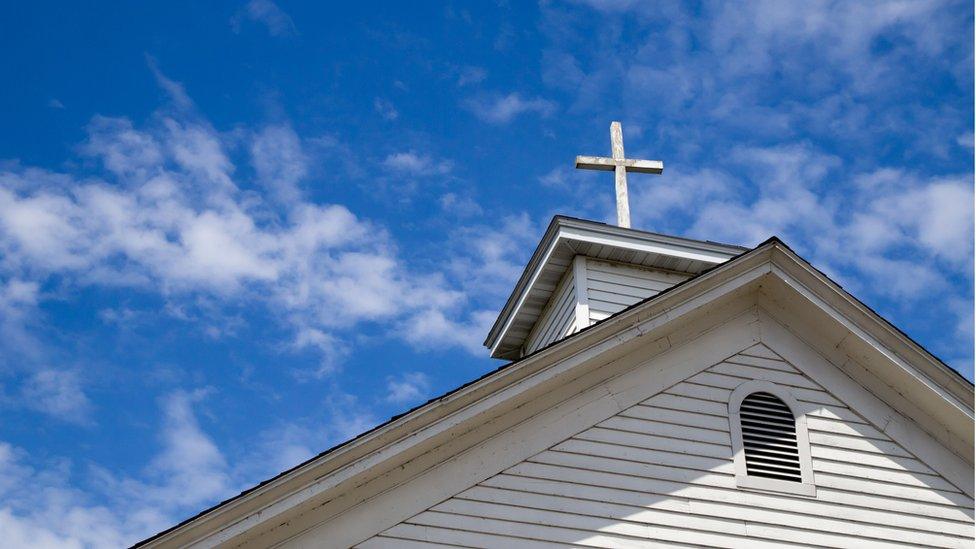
(816, 360)
(874, 331)
(529, 275)
(728, 250)
(684, 250)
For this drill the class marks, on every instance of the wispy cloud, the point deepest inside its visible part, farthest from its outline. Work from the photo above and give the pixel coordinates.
(413, 163)
(460, 206)
(18, 306)
(864, 226)
(41, 507)
(408, 387)
(57, 393)
(502, 109)
(279, 161)
(175, 90)
(385, 109)
(801, 120)
(470, 75)
(172, 214)
(556, 177)
(267, 13)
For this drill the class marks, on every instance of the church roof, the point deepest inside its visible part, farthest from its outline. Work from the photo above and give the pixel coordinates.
(921, 378)
(567, 237)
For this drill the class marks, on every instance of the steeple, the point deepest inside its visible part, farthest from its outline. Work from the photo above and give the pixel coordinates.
(583, 271)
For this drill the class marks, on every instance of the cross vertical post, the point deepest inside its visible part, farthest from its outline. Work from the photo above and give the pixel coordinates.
(620, 165)
(620, 174)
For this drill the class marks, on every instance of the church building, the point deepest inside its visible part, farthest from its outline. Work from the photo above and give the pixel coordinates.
(661, 391)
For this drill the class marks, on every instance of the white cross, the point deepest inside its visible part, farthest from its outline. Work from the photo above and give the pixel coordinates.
(620, 166)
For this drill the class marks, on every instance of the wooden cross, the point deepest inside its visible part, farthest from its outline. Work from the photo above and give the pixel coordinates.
(619, 166)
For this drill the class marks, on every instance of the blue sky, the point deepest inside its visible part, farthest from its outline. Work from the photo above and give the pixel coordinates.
(233, 235)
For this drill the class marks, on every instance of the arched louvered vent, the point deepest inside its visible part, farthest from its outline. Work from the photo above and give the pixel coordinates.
(769, 438)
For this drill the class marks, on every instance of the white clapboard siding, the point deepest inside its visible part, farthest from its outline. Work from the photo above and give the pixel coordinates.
(661, 474)
(612, 287)
(558, 318)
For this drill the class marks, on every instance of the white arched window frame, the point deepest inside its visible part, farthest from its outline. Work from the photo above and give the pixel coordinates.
(742, 479)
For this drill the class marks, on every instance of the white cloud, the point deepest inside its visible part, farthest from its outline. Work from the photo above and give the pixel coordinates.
(416, 164)
(275, 20)
(18, 302)
(57, 393)
(123, 150)
(197, 149)
(279, 161)
(173, 215)
(503, 109)
(487, 259)
(837, 71)
(862, 223)
(331, 349)
(408, 387)
(432, 329)
(191, 468)
(460, 206)
(42, 509)
(937, 214)
(843, 32)
(20, 532)
(656, 199)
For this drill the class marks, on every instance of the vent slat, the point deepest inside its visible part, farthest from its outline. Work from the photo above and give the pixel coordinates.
(773, 454)
(785, 467)
(769, 410)
(772, 428)
(755, 416)
(775, 473)
(769, 438)
(765, 438)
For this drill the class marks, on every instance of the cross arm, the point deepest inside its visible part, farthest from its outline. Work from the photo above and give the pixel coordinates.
(595, 163)
(644, 166)
(608, 164)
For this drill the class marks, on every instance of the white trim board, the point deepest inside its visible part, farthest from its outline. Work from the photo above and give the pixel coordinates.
(743, 479)
(878, 414)
(939, 412)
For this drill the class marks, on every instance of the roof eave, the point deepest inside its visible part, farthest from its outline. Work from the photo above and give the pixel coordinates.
(909, 353)
(545, 244)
